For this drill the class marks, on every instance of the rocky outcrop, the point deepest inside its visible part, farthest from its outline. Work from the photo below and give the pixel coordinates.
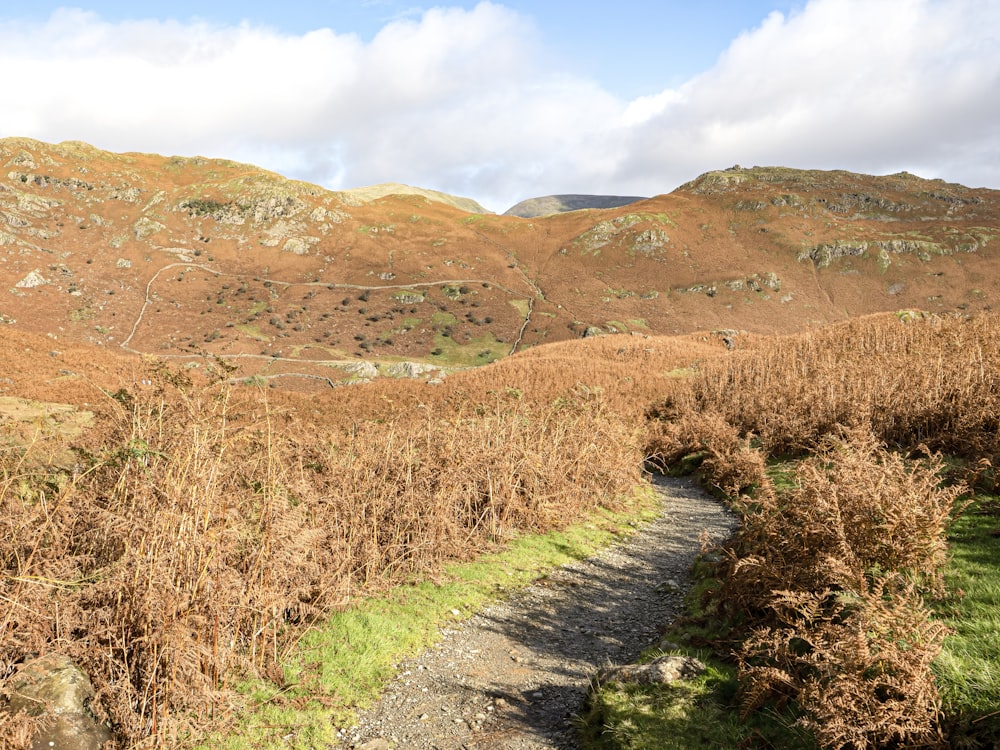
(300, 245)
(649, 241)
(363, 370)
(661, 671)
(823, 254)
(54, 688)
(32, 280)
(145, 227)
(408, 370)
(603, 232)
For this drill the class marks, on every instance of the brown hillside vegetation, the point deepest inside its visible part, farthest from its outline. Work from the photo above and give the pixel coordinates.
(172, 256)
(182, 491)
(245, 513)
(825, 585)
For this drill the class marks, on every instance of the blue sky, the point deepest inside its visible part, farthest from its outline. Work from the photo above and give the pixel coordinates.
(509, 99)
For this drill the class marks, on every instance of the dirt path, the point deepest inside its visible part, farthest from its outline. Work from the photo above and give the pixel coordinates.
(513, 675)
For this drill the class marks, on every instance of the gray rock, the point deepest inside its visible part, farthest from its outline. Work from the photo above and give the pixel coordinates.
(52, 686)
(32, 280)
(145, 227)
(362, 369)
(408, 369)
(669, 586)
(660, 671)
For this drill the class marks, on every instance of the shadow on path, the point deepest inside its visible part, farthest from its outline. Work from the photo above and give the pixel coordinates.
(513, 675)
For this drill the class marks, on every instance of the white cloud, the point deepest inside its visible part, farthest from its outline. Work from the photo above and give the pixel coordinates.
(467, 101)
(866, 85)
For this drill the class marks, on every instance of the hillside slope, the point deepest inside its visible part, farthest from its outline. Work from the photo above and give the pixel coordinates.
(175, 256)
(374, 192)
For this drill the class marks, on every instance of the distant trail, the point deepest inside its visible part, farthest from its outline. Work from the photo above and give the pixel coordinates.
(514, 674)
(539, 294)
(524, 327)
(126, 343)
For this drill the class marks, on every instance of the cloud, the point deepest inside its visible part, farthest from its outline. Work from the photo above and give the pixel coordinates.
(468, 101)
(851, 84)
(456, 99)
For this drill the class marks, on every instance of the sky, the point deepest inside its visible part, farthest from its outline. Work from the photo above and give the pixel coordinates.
(502, 100)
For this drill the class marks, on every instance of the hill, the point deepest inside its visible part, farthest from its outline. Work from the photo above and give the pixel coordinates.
(374, 192)
(176, 257)
(555, 204)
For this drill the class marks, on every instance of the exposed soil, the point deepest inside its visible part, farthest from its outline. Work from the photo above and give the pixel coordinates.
(514, 675)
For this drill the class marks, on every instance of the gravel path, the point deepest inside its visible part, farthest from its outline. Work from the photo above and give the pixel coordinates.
(513, 675)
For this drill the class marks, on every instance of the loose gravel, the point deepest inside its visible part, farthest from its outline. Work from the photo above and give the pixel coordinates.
(514, 675)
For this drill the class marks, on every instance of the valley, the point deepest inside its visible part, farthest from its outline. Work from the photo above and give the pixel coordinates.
(182, 257)
(238, 551)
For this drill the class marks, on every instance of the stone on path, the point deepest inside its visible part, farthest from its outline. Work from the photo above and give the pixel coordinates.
(660, 671)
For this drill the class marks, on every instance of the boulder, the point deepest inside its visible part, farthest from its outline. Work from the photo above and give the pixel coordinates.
(408, 369)
(56, 689)
(660, 671)
(32, 280)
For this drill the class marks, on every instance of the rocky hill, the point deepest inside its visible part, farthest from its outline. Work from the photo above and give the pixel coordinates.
(177, 257)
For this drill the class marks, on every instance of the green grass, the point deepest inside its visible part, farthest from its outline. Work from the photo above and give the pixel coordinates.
(252, 331)
(968, 668)
(522, 306)
(702, 712)
(476, 351)
(684, 715)
(341, 665)
(443, 319)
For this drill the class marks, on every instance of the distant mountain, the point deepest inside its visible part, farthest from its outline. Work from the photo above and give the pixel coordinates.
(286, 281)
(374, 192)
(556, 204)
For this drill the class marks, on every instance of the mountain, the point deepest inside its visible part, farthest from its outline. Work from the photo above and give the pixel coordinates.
(374, 192)
(181, 257)
(555, 204)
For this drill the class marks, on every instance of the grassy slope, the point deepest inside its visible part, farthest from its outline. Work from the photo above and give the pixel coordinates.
(968, 668)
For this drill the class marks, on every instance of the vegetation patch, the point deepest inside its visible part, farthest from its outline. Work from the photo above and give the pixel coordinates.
(687, 714)
(32, 420)
(826, 586)
(442, 318)
(968, 668)
(81, 314)
(479, 350)
(252, 331)
(522, 306)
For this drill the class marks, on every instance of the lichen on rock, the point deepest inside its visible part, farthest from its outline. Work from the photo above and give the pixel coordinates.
(55, 688)
(145, 227)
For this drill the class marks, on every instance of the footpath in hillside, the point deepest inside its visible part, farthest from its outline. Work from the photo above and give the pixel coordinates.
(514, 675)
